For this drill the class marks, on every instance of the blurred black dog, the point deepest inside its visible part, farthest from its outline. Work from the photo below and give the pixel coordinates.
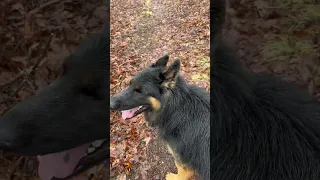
(180, 112)
(64, 120)
(262, 128)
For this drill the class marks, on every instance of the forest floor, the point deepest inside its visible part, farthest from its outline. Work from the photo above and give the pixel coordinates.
(275, 37)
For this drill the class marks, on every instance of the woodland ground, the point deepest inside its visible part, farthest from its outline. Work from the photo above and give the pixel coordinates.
(276, 36)
(25, 27)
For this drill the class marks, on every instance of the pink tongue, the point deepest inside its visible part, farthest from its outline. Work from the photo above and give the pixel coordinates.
(61, 164)
(129, 113)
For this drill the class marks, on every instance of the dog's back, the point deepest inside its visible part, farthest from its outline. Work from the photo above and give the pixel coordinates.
(263, 128)
(183, 122)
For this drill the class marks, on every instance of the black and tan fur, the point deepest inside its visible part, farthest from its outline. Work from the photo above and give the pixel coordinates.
(180, 112)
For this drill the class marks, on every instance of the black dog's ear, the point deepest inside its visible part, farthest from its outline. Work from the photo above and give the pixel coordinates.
(162, 62)
(161, 76)
(171, 73)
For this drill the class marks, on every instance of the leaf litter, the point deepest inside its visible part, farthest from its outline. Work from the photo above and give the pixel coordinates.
(25, 27)
(142, 32)
(278, 37)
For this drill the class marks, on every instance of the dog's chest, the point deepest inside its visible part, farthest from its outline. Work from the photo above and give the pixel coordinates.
(151, 118)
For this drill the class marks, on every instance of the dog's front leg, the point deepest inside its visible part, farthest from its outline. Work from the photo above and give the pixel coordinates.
(184, 173)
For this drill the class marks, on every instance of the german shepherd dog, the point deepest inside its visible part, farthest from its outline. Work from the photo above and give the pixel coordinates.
(262, 127)
(179, 111)
(68, 120)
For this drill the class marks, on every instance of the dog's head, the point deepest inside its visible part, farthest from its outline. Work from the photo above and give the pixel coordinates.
(65, 117)
(146, 89)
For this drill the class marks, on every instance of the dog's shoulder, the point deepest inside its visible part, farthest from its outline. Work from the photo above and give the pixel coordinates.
(200, 92)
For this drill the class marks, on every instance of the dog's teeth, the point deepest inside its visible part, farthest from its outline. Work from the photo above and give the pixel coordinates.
(94, 145)
(97, 143)
(91, 150)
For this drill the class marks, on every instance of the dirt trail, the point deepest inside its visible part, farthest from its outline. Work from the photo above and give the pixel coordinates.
(141, 32)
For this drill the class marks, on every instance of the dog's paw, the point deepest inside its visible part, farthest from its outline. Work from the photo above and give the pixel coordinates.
(171, 176)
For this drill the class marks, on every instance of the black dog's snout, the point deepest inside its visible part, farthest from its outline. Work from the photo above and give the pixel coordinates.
(7, 138)
(6, 145)
(113, 104)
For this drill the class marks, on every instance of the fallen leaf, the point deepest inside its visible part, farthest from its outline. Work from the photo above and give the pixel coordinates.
(123, 44)
(199, 77)
(147, 140)
(127, 165)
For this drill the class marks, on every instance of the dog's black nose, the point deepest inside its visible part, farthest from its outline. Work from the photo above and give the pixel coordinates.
(113, 104)
(5, 145)
(6, 139)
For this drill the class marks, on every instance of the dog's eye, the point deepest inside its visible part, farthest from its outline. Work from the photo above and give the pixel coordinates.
(137, 88)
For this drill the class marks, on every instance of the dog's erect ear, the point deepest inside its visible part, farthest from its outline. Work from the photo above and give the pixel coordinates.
(162, 62)
(161, 76)
(171, 73)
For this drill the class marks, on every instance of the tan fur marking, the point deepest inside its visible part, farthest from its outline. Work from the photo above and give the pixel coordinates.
(169, 84)
(184, 173)
(170, 150)
(172, 84)
(156, 105)
(166, 84)
(137, 86)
